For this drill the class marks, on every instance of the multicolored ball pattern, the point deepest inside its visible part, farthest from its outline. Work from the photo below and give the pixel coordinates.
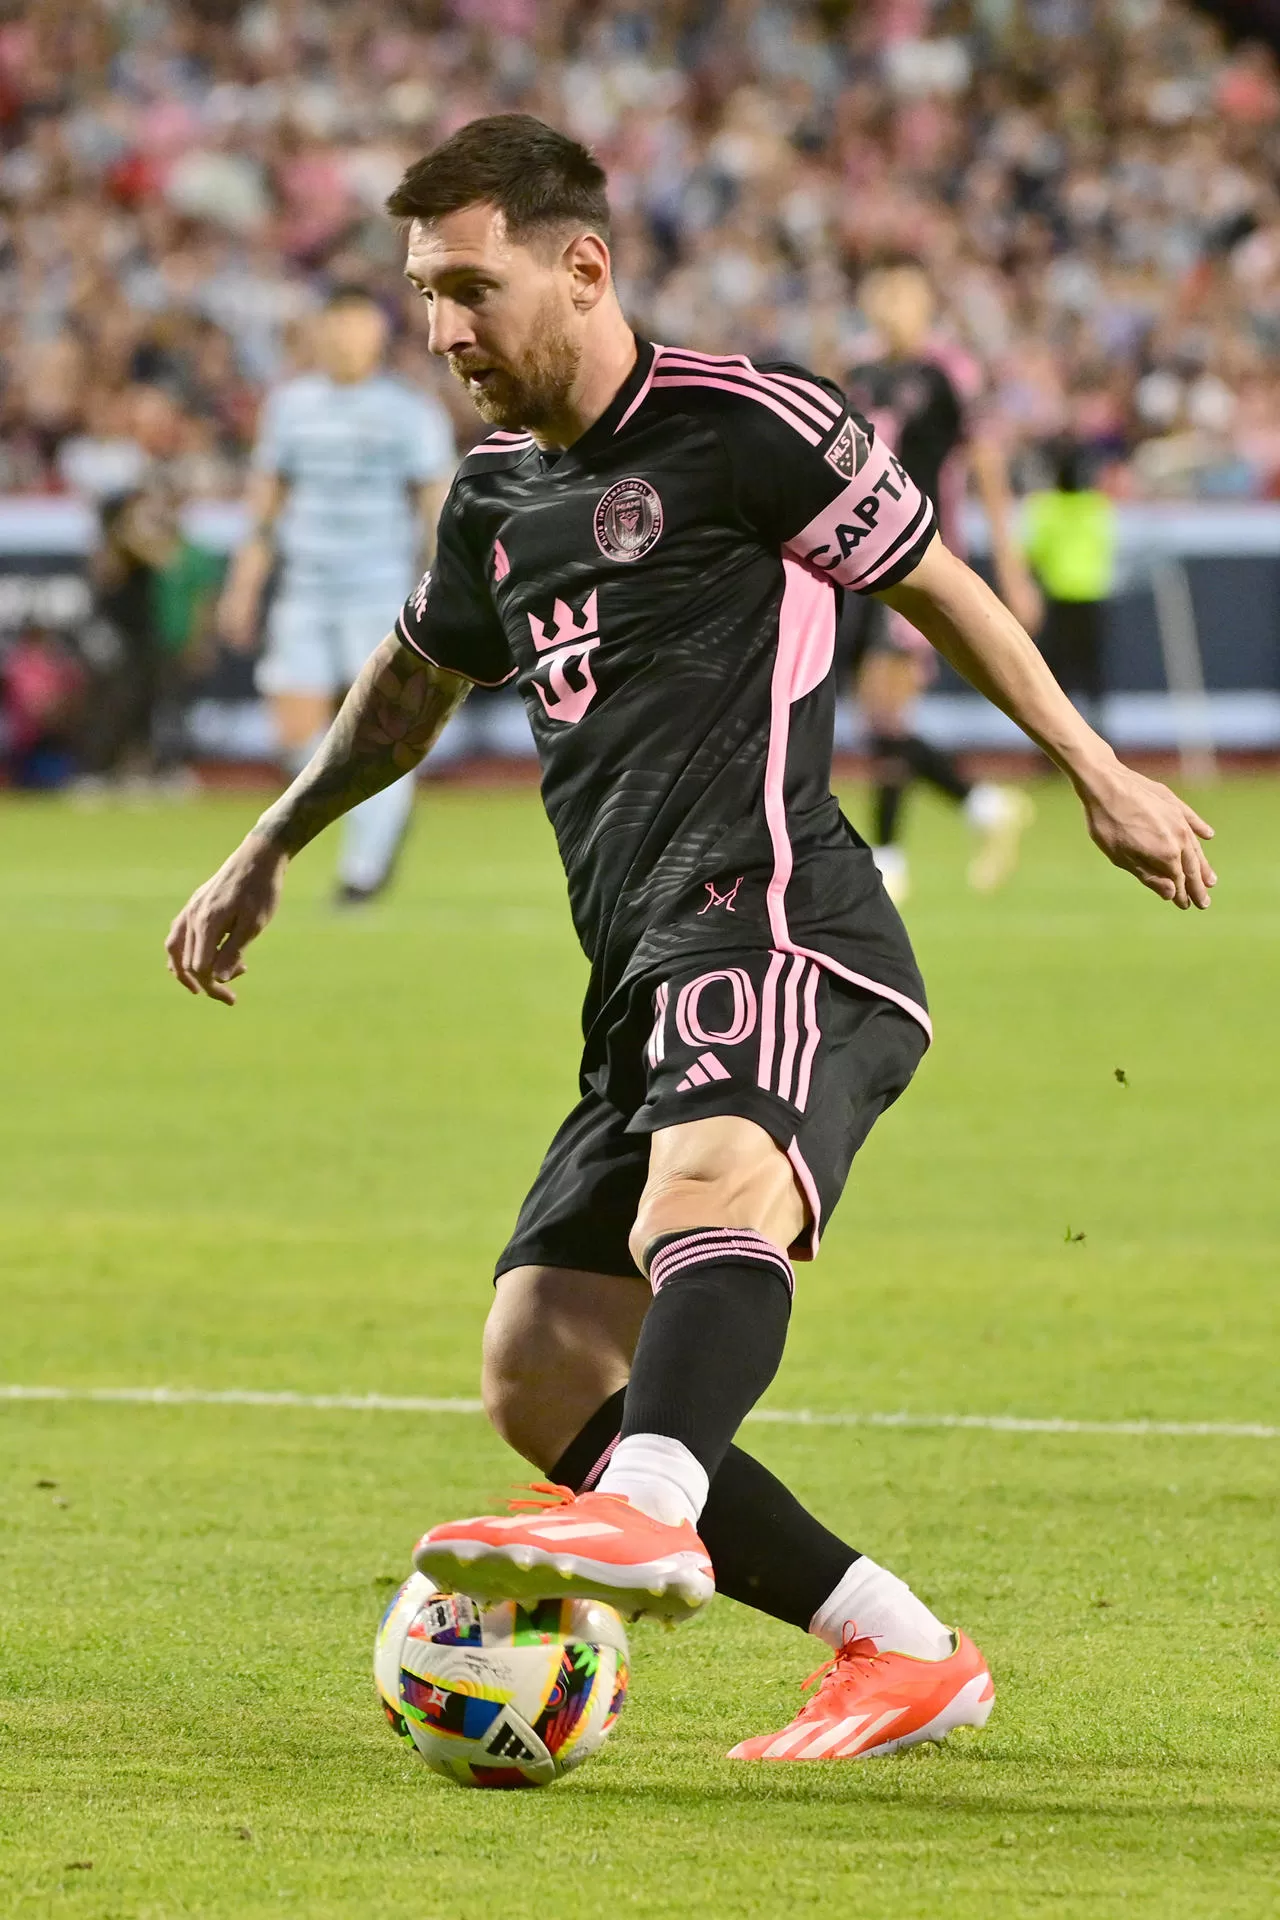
(500, 1696)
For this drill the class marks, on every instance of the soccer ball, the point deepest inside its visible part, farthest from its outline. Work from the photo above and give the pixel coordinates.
(503, 1695)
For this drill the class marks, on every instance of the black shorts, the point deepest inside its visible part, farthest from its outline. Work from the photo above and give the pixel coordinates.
(767, 1036)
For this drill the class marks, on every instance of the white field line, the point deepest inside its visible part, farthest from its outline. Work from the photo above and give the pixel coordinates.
(775, 1416)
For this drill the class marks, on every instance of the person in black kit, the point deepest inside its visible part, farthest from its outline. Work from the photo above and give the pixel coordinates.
(911, 394)
(649, 547)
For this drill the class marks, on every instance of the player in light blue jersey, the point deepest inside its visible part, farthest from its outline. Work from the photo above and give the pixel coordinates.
(349, 474)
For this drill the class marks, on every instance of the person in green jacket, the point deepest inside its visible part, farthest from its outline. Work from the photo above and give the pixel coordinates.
(1069, 537)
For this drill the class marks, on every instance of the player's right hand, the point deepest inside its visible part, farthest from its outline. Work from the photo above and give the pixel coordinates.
(206, 942)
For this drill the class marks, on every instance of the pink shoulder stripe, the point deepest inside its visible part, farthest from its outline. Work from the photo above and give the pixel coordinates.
(745, 391)
(738, 367)
(810, 388)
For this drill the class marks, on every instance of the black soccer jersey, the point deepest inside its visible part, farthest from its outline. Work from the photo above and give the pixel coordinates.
(915, 405)
(663, 593)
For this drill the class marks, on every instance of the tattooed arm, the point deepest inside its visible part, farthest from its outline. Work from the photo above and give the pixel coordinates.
(384, 728)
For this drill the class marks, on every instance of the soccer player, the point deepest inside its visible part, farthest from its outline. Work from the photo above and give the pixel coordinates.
(649, 546)
(914, 403)
(349, 474)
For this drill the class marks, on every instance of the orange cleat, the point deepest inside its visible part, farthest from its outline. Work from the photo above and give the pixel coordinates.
(590, 1546)
(871, 1703)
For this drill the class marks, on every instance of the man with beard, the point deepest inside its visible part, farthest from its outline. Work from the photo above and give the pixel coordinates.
(650, 545)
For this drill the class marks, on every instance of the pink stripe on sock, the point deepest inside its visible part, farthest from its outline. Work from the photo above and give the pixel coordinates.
(707, 1246)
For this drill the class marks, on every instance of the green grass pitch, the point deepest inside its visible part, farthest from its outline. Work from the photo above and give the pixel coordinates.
(306, 1193)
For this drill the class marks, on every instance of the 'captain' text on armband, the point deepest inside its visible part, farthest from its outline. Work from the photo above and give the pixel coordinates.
(892, 484)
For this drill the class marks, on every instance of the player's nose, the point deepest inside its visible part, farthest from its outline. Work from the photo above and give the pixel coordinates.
(450, 330)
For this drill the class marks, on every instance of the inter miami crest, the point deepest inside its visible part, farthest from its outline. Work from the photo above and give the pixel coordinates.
(848, 451)
(628, 520)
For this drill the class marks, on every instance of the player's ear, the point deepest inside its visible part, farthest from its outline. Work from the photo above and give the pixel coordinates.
(586, 259)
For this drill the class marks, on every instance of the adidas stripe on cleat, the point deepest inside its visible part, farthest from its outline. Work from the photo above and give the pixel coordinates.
(591, 1546)
(871, 1703)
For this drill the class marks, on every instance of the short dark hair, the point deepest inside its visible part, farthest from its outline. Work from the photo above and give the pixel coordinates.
(535, 177)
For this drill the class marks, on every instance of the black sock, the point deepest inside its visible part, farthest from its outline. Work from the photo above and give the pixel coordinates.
(892, 773)
(888, 811)
(711, 1341)
(767, 1551)
(932, 764)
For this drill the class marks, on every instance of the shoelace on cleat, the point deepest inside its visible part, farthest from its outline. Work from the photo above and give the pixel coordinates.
(551, 1495)
(862, 1653)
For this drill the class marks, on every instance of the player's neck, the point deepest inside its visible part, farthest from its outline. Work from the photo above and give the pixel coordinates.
(607, 361)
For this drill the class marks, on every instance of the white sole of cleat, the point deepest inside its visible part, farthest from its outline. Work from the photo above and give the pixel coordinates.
(967, 1709)
(669, 1590)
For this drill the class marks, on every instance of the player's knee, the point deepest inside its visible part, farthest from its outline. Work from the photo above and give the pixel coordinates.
(556, 1344)
(513, 1377)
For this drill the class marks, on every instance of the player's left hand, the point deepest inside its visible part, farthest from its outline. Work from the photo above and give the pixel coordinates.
(1143, 827)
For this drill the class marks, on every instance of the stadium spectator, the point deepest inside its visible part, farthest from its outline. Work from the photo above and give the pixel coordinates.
(41, 688)
(1094, 185)
(155, 592)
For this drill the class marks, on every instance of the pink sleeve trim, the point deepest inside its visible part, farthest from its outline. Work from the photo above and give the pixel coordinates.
(416, 646)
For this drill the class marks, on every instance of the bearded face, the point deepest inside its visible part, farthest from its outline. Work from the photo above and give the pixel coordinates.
(530, 387)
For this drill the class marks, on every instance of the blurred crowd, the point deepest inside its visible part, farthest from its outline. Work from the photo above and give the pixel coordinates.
(1095, 184)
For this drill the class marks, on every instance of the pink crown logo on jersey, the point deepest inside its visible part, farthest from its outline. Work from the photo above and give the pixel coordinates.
(566, 631)
(574, 638)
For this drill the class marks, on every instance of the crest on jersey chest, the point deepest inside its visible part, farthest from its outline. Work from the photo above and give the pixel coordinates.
(628, 520)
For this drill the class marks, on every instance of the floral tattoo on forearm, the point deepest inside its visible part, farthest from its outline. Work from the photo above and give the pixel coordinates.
(385, 726)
